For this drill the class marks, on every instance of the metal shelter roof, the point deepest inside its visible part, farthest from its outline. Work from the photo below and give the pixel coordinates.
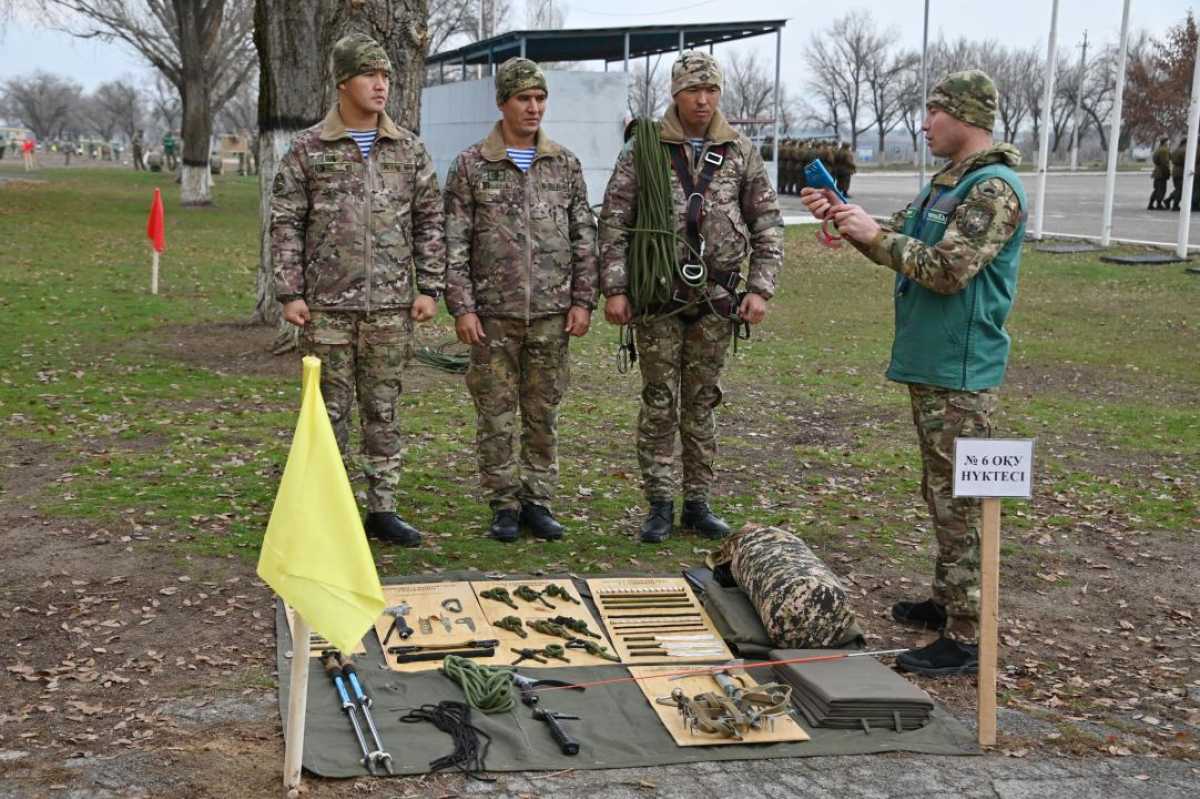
(602, 44)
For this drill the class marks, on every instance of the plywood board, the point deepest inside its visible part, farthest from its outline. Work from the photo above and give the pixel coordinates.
(659, 617)
(426, 600)
(529, 611)
(315, 642)
(659, 681)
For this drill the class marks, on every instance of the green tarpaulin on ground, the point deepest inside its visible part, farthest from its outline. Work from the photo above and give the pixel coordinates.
(617, 728)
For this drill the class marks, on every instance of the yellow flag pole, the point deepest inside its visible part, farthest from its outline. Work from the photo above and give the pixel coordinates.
(293, 755)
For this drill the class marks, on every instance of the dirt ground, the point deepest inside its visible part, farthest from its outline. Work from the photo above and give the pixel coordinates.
(133, 670)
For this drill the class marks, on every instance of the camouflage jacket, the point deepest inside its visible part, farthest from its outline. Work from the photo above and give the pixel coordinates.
(520, 245)
(1178, 156)
(1162, 163)
(347, 234)
(981, 225)
(741, 213)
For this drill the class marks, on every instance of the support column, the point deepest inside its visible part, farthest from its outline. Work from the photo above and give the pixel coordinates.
(1114, 133)
(1189, 168)
(775, 134)
(1039, 211)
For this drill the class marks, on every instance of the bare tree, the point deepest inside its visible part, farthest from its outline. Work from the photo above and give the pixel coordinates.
(119, 103)
(165, 106)
(839, 60)
(295, 39)
(749, 93)
(649, 90)
(885, 76)
(43, 102)
(201, 46)
(909, 105)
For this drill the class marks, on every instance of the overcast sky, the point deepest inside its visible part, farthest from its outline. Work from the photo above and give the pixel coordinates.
(26, 47)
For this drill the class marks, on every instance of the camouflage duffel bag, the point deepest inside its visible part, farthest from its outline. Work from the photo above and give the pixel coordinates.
(799, 599)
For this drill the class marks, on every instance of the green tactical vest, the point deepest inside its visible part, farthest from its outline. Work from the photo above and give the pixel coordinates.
(958, 340)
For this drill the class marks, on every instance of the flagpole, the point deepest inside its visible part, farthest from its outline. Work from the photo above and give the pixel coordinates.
(293, 755)
(153, 271)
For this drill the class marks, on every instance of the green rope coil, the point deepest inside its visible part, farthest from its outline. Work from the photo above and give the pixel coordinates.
(488, 689)
(453, 363)
(651, 256)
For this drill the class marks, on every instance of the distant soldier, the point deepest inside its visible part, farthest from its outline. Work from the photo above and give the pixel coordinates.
(359, 251)
(846, 168)
(135, 145)
(168, 148)
(682, 347)
(3, 146)
(1162, 171)
(1178, 156)
(520, 279)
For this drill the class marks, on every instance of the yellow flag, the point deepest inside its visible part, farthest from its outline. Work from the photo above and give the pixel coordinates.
(315, 554)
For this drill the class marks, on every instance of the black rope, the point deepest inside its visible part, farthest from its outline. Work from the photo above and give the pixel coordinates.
(454, 719)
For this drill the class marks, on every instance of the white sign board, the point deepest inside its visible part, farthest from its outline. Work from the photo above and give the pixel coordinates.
(993, 467)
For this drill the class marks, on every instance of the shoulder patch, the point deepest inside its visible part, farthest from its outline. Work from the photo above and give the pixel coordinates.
(975, 219)
(278, 184)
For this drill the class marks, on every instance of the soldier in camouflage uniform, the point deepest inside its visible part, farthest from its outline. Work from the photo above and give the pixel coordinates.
(956, 250)
(681, 355)
(355, 212)
(1178, 158)
(521, 278)
(1162, 172)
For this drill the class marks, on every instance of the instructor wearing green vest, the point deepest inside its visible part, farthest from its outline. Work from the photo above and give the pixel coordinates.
(955, 251)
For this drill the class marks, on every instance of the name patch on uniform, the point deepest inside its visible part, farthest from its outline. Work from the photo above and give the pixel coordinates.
(331, 162)
(938, 217)
(395, 166)
(554, 185)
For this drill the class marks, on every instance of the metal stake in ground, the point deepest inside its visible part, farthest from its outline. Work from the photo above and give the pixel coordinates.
(329, 659)
(378, 755)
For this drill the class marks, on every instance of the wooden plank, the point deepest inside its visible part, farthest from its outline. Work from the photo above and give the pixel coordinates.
(315, 642)
(678, 613)
(426, 600)
(529, 611)
(654, 686)
(989, 615)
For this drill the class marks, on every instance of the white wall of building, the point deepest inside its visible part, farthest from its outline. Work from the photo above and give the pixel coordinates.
(585, 113)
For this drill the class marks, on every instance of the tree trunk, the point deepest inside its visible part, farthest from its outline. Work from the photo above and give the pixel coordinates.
(294, 39)
(882, 136)
(194, 90)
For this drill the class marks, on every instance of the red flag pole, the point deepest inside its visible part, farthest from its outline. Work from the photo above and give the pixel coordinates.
(157, 236)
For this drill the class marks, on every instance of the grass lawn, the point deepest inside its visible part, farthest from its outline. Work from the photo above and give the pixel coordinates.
(161, 418)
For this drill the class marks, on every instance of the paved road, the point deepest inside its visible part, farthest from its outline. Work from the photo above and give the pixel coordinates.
(1074, 203)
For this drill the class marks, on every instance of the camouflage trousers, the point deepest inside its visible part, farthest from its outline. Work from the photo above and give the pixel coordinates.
(942, 415)
(364, 354)
(681, 362)
(518, 366)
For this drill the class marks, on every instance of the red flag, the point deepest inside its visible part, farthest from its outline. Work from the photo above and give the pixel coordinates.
(154, 225)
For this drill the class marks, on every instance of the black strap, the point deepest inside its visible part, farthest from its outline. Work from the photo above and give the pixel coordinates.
(694, 192)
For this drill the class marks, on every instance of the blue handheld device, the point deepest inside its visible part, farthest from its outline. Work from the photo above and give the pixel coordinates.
(818, 177)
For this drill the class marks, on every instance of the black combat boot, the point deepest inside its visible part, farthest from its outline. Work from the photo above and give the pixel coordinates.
(943, 658)
(540, 521)
(699, 517)
(387, 526)
(928, 615)
(659, 523)
(505, 526)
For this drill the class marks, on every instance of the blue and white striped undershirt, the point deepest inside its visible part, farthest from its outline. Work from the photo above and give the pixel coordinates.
(522, 156)
(697, 148)
(364, 139)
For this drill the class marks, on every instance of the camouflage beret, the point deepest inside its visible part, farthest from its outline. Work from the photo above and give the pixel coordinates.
(969, 96)
(357, 54)
(694, 68)
(517, 75)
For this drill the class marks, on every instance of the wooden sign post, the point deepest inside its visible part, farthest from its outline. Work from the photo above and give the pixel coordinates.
(991, 468)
